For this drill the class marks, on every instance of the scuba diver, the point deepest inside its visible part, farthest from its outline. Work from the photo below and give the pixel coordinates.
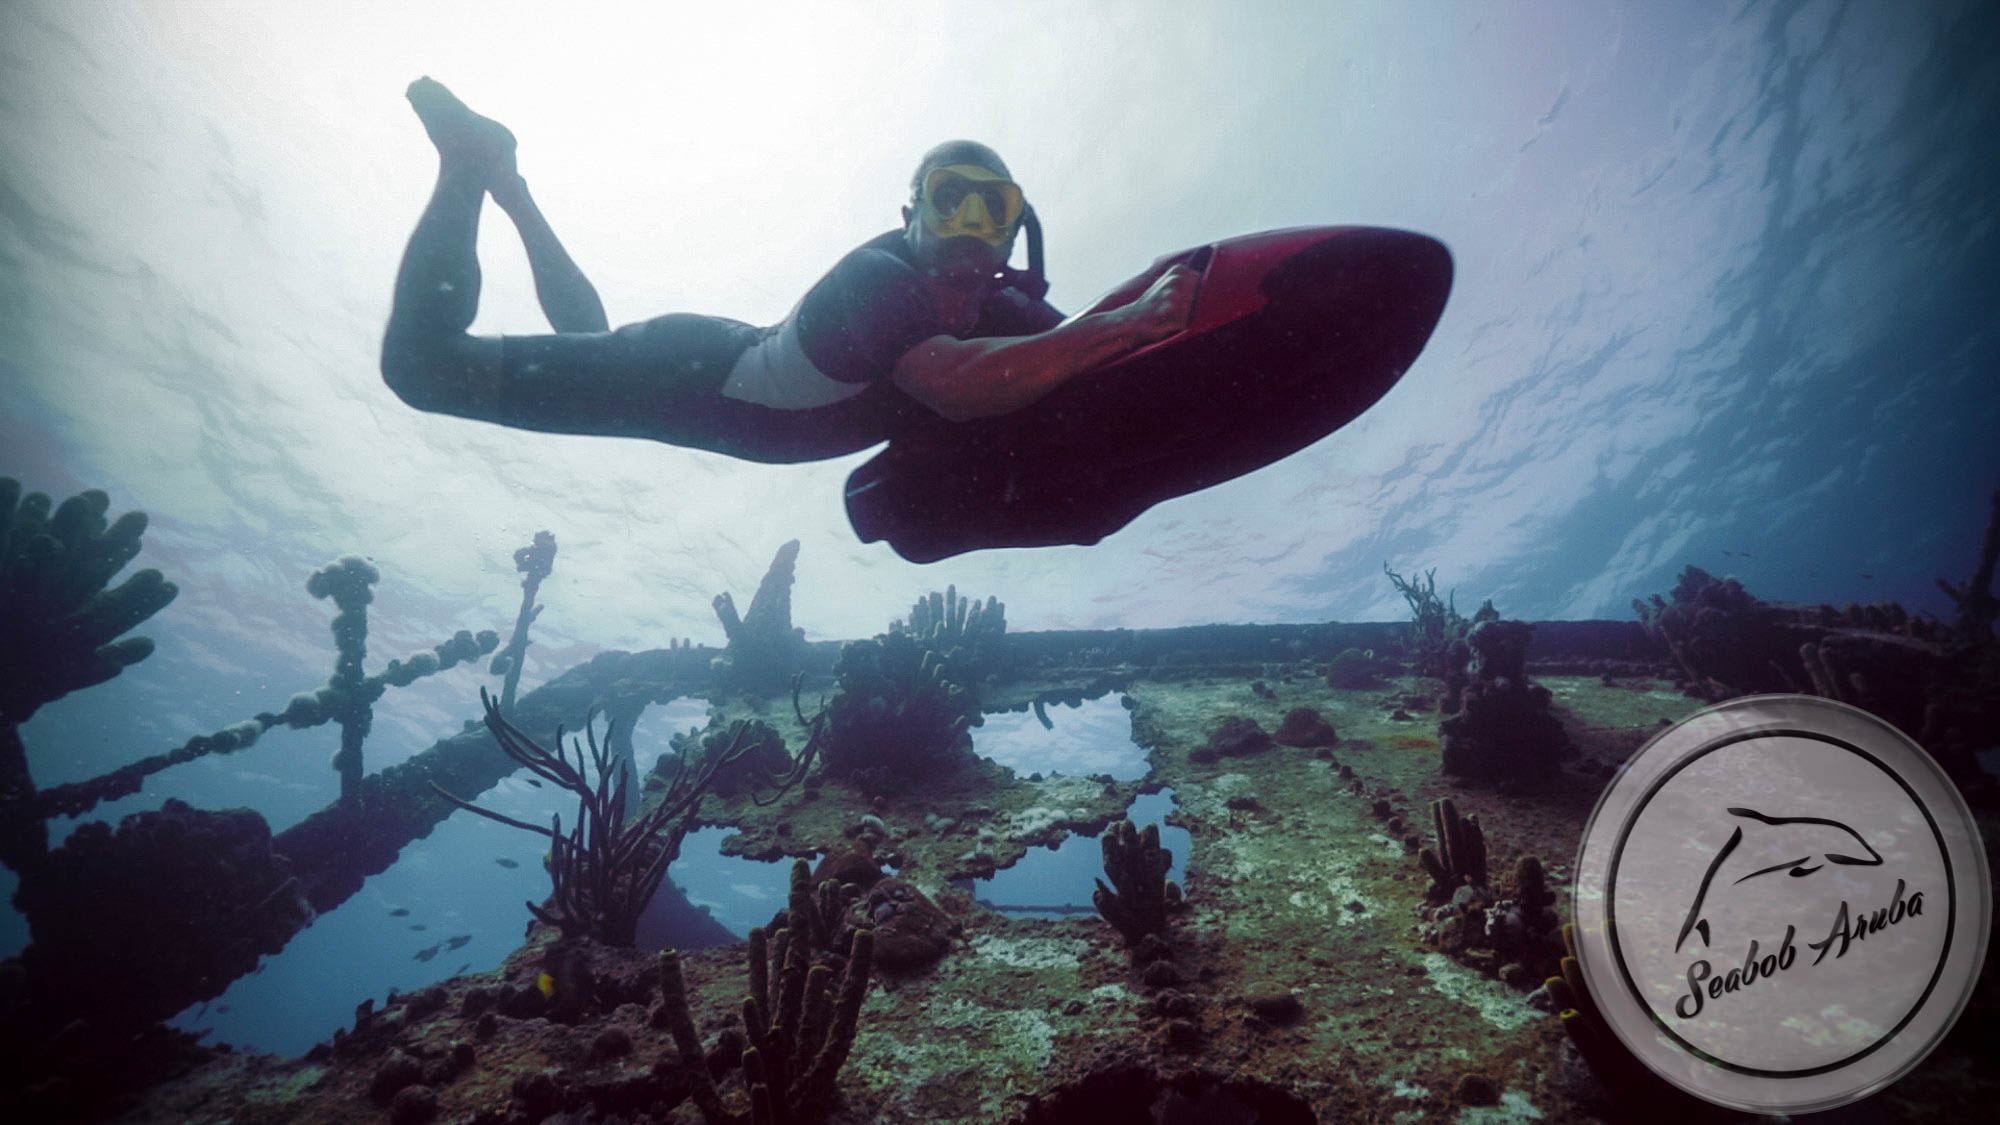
(926, 318)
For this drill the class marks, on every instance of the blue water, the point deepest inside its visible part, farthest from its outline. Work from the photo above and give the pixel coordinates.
(1094, 738)
(451, 883)
(737, 892)
(1057, 880)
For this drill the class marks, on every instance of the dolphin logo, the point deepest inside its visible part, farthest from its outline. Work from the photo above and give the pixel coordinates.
(1797, 846)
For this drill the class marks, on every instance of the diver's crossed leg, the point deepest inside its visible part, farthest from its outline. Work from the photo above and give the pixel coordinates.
(583, 380)
(466, 138)
(437, 287)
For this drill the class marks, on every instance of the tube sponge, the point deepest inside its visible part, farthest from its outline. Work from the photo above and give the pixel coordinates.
(59, 623)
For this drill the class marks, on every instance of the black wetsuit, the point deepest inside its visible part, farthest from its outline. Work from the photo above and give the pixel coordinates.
(813, 386)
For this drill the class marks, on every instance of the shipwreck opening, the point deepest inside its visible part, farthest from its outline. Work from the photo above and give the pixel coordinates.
(1060, 880)
(733, 891)
(1064, 734)
(1075, 737)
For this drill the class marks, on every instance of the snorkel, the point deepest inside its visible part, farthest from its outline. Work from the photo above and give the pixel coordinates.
(1031, 281)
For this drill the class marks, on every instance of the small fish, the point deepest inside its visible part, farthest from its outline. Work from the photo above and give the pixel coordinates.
(532, 782)
(419, 927)
(428, 952)
(1870, 577)
(547, 985)
(460, 971)
(509, 864)
(457, 942)
(224, 1008)
(400, 912)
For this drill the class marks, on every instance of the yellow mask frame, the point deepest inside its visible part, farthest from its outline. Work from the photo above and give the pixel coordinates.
(968, 200)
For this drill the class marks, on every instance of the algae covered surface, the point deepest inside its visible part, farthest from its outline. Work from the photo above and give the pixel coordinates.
(1297, 962)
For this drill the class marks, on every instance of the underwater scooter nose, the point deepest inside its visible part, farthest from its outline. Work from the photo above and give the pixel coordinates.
(1416, 278)
(1364, 300)
(1294, 333)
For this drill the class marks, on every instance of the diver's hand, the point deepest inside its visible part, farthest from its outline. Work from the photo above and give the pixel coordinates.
(1164, 308)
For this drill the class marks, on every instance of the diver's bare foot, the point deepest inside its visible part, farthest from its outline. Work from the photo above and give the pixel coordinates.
(463, 138)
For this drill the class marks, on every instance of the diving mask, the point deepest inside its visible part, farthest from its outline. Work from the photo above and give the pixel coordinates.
(965, 199)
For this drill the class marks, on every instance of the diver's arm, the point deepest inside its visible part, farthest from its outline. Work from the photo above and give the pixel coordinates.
(966, 379)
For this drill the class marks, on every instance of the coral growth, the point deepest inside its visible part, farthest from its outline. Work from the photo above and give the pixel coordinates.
(303, 711)
(60, 627)
(911, 931)
(350, 695)
(1460, 857)
(1354, 669)
(1634, 1086)
(535, 561)
(1976, 605)
(1726, 642)
(1458, 657)
(606, 868)
(1234, 737)
(61, 620)
(897, 717)
(1890, 675)
(1522, 925)
(1934, 682)
(1434, 621)
(968, 634)
(818, 915)
(755, 768)
(80, 797)
(1504, 728)
(1505, 931)
(1306, 727)
(133, 925)
(347, 581)
(1961, 694)
(1962, 717)
(799, 1023)
(765, 650)
(1137, 866)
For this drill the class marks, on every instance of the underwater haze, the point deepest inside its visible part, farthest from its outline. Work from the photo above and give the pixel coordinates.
(1725, 287)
